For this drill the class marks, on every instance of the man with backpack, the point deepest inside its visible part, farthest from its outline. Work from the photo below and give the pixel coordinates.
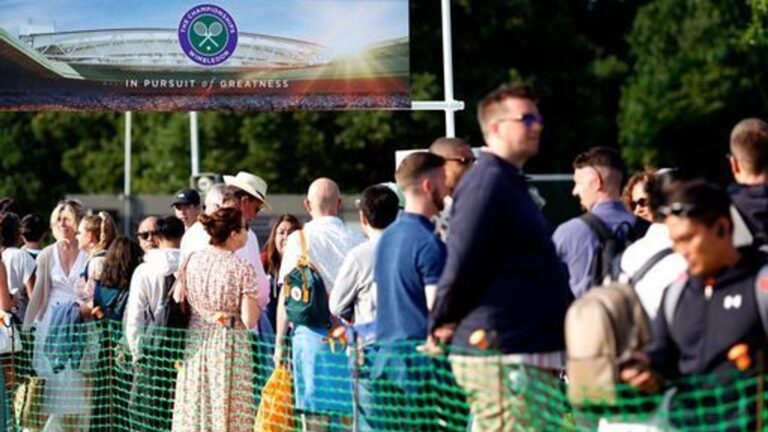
(591, 243)
(748, 159)
(152, 355)
(311, 261)
(712, 321)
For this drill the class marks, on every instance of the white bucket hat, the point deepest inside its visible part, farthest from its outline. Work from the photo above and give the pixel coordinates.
(250, 183)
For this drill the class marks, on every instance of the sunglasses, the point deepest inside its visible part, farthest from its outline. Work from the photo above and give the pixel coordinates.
(678, 209)
(642, 202)
(466, 161)
(260, 203)
(527, 119)
(144, 235)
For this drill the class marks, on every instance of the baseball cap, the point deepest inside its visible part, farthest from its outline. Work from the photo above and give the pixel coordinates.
(186, 196)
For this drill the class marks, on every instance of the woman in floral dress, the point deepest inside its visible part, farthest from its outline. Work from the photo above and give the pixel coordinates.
(213, 389)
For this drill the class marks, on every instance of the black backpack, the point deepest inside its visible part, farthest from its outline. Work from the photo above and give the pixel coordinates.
(606, 263)
(162, 328)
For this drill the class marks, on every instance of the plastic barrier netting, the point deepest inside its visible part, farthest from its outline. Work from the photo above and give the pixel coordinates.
(92, 377)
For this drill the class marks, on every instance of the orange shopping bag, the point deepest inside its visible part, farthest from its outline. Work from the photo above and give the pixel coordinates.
(276, 408)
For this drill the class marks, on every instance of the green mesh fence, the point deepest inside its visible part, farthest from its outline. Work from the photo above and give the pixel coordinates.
(88, 377)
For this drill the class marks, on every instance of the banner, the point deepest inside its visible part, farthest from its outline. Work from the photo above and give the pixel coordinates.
(179, 55)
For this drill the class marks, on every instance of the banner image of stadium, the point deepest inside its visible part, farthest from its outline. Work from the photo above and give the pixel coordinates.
(179, 55)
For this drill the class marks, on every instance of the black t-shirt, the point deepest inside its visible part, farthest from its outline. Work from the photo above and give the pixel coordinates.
(705, 328)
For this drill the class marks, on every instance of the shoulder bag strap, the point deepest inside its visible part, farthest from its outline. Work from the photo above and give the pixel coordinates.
(597, 226)
(179, 290)
(652, 261)
(761, 295)
(670, 300)
(304, 257)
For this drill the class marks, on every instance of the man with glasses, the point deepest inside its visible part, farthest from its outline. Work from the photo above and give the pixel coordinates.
(709, 321)
(581, 241)
(748, 160)
(503, 287)
(146, 233)
(459, 158)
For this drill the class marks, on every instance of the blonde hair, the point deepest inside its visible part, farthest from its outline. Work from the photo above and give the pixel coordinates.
(73, 207)
(105, 229)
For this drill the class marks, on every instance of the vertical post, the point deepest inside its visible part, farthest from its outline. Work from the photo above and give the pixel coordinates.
(127, 176)
(194, 143)
(450, 127)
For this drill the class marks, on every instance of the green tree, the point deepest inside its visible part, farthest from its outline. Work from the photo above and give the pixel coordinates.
(692, 79)
(757, 33)
(573, 52)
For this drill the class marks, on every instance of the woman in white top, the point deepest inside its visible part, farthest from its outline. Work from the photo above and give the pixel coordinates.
(19, 265)
(59, 268)
(94, 236)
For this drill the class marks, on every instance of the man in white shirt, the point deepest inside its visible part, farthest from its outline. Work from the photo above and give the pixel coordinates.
(195, 238)
(149, 277)
(186, 206)
(152, 369)
(317, 370)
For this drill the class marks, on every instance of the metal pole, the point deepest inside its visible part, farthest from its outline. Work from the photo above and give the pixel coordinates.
(450, 127)
(127, 176)
(194, 143)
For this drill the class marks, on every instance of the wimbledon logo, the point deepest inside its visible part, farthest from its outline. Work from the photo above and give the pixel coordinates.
(208, 35)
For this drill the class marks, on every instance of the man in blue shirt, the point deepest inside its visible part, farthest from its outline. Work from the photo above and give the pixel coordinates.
(597, 174)
(410, 258)
(503, 289)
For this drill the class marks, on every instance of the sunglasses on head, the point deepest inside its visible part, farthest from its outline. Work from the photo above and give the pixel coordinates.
(678, 209)
(466, 161)
(144, 235)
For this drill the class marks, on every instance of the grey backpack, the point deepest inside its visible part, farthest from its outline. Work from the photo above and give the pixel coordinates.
(603, 328)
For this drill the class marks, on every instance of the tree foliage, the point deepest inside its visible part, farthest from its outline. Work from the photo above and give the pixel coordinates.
(664, 78)
(692, 79)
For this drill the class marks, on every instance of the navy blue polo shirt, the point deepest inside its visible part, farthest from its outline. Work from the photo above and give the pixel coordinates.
(409, 257)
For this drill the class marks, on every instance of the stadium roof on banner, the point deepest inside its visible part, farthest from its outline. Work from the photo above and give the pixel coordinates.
(148, 48)
(15, 56)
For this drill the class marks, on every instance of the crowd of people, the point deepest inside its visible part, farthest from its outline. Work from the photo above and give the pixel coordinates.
(456, 271)
(90, 99)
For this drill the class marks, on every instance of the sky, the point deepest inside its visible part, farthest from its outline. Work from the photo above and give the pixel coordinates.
(341, 24)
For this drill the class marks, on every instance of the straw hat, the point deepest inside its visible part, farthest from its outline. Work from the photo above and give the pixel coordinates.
(250, 183)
